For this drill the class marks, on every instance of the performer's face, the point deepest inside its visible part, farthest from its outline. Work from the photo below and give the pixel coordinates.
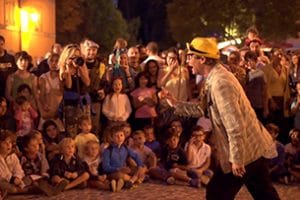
(196, 63)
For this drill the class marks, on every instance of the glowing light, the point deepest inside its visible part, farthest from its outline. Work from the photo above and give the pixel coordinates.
(224, 44)
(34, 17)
(24, 20)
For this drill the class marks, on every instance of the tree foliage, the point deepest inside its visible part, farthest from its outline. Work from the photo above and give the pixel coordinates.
(275, 19)
(95, 19)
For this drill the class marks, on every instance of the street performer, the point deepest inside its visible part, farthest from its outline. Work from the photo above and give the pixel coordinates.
(240, 143)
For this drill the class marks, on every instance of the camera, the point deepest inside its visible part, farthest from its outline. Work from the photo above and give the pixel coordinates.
(79, 61)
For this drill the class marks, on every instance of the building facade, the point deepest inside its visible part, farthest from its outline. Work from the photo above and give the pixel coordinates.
(28, 25)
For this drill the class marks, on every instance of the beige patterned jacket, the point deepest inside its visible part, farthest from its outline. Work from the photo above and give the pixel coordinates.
(238, 136)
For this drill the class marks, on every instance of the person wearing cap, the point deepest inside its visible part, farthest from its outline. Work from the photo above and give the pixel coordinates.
(240, 144)
(99, 84)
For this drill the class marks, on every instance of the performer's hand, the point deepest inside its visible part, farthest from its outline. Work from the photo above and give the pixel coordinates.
(238, 170)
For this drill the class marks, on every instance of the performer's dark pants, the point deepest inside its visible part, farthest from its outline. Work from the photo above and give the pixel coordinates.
(257, 180)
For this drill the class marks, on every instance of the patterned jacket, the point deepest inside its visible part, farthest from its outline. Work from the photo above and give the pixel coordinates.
(238, 136)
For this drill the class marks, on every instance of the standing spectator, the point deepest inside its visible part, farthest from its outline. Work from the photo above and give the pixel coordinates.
(295, 107)
(99, 81)
(144, 101)
(256, 87)
(116, 106)
(152, 52)
(51, 93)
(134, 60)
(74, 75)
(294, 70)
(277, 77)
(21, 76)
(7, 65)
(152, 69)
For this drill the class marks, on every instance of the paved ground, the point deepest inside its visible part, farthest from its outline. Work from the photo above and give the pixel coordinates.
(155, 191)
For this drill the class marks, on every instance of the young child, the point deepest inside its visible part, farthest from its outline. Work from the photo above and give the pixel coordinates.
(92, 157)
(115, 157)
(292, 151)
(51, 138)
(66, 167)
(116, 106)
(151, 141)
(145, 153)
(198, 156)
(36, 167)
(11, 172)
(82, 138)
(174, 160)
(277, 167)
(144, 101)
(25, 116)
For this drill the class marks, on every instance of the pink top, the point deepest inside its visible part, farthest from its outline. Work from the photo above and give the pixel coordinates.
(144, 111)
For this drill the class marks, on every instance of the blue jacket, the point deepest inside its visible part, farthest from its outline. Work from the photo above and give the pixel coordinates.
(114, 158)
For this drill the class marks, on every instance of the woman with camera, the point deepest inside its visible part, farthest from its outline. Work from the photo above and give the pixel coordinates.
(74, 74)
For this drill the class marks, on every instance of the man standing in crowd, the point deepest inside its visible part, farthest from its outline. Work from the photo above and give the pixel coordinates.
(240, 144)
(99, 85)
(7, 65)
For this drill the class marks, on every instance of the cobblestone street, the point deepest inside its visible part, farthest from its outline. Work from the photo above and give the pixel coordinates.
(155, 191)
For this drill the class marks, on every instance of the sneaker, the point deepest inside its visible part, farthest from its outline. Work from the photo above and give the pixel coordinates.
(113, 185)
(192, 174)
(195, 183)
(128, 184)
(44, 186)
(170, 180)
(60, 187)
(120, 184)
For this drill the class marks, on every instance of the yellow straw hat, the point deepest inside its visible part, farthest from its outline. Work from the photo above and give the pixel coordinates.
(206, 47)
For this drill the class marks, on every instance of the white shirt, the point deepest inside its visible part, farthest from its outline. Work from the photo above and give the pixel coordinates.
(199, 155)
(117, 107)
(10, 167)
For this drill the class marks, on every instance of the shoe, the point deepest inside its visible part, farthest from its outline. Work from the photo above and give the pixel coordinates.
(192, 174)
(128, 184)
(195, 183)
(204, 179)
(60, 187)
(170, 180)
(120, 185)
(113, 185)
(44, 186)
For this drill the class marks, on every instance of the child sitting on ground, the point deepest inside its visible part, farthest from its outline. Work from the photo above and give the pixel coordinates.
(92, 157)
(292, 154)
(51, 138)
(67, 167)
(11, 172)
(82, 138)
(115, 157)
(145, 153)
(198, 156)
(151, 141)
(175, 161)
(36, 167)
(277, 166)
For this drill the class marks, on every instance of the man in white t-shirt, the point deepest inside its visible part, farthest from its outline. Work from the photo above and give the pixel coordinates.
(198, 156)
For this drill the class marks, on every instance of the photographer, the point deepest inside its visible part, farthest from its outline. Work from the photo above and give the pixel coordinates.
(74, 74)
